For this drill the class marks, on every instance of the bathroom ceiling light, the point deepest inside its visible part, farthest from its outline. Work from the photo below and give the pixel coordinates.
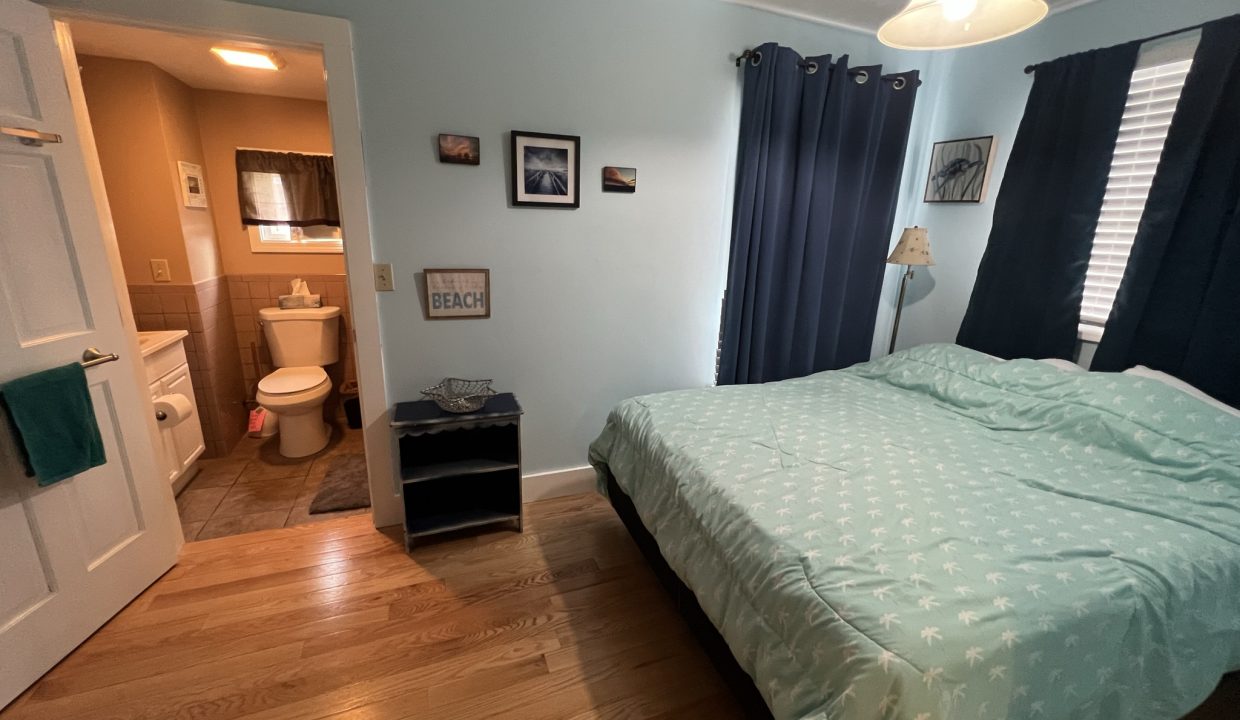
(257, 59)
(943, 24)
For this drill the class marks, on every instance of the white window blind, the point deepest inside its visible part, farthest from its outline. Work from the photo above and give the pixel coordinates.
(1152, 97)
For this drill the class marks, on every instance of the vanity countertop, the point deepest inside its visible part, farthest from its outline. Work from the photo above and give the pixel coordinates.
(156, 340)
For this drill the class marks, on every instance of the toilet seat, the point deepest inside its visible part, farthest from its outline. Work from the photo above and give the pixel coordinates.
(290, 380)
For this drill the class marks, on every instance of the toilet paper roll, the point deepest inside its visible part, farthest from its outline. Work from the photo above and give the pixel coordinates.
(175, 408)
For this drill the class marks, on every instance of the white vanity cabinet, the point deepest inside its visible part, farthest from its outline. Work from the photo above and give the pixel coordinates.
(167, 373)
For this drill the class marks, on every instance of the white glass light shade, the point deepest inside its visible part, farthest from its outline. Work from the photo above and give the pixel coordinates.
(943, 24)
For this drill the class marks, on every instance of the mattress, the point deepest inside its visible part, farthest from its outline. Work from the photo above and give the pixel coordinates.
(939, 535)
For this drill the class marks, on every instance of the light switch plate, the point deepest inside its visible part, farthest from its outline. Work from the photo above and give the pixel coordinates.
(383, 278)
(160, 271)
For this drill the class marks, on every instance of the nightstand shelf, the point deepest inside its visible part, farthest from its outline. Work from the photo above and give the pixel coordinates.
(459, 471)
(452, 468)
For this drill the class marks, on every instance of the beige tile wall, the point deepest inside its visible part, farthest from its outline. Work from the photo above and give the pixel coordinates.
(205, 310)
(250, 293)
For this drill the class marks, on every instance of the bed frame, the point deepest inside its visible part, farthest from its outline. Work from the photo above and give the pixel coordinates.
(1219, 706)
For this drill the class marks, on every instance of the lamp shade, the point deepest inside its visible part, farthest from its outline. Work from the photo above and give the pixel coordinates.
(913, 248)
(943, 24)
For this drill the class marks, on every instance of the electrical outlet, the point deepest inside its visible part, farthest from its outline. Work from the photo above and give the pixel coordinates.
(160, 271)
(383, 277)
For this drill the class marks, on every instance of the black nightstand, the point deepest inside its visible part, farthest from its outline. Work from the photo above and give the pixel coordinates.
(459, 471)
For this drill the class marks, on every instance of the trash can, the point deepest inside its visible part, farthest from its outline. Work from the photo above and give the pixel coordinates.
(352, 404)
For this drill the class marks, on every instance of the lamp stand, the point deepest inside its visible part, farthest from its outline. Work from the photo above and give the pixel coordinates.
(895, 327)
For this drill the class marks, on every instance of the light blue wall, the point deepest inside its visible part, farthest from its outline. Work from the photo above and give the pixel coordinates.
(983, 93)
(616, 299)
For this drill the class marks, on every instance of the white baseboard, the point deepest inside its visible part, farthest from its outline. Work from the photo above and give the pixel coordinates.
(557, 483)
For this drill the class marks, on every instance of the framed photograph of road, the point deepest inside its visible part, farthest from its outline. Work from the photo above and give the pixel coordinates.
(546, 170)
(457, 293)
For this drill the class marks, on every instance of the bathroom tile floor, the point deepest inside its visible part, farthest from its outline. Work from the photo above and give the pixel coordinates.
(254, 488)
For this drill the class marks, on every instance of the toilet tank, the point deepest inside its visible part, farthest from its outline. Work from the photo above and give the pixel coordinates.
(303, 336)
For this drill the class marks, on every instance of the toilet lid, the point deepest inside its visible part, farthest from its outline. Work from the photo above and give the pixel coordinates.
(292, 380)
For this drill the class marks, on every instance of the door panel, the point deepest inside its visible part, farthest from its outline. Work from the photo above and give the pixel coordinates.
(26, 580)
(106, 496)
(31, 205)
(74, 553)
(17, 96)
(186, 435)
(167, 448)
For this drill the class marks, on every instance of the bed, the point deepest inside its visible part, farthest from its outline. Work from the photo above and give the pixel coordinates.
(938, 535)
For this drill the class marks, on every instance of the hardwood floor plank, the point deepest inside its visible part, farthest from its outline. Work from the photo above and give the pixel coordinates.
(336, 621)
(77, 675)
(157, 697)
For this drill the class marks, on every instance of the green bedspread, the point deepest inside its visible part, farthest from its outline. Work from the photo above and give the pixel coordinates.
(938, 535)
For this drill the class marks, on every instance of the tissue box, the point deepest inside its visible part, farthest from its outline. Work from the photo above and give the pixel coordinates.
(289, 302)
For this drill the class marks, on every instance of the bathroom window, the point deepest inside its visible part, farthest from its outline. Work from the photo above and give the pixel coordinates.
(269, 187)
(288, 201)
(283, 238)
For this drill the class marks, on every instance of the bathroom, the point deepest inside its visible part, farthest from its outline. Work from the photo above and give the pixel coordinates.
(244, 320)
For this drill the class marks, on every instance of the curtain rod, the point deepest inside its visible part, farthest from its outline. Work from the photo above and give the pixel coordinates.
(295, 152)
(756, 56)
(1030, 68)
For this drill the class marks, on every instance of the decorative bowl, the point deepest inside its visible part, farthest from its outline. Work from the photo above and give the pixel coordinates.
(456, 395)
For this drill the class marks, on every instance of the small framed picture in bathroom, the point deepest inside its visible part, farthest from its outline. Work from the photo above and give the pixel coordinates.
(456, 294)
(193, 187)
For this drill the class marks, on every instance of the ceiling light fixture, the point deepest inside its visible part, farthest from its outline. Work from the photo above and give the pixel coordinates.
(944, 24)
(257, 59)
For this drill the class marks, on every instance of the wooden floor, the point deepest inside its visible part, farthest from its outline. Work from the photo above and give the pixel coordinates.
(334, 620)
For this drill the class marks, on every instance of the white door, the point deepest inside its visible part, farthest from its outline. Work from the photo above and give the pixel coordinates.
(72, 554)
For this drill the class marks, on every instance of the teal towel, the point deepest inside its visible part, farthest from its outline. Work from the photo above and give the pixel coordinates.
(55, 422)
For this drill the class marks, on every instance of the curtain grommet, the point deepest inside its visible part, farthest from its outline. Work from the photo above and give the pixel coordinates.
(899, 83)
(862, 77)
(811, 68)
(755, 58)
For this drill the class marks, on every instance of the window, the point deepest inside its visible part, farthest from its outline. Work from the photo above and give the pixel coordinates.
(282, 238)
(1152, 96)
(269, 187)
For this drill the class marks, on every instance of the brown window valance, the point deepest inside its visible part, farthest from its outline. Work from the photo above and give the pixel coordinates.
(284, 188)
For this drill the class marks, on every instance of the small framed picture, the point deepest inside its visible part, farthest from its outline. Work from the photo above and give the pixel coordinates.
(193, 188)
(960, 170)
(453, 294)
(619, 179)
(459, 149)
(546, 170)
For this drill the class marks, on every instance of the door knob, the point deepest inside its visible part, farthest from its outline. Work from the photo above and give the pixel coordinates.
(94, 356)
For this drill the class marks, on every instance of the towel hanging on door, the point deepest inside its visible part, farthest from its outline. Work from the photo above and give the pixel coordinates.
(54, 420)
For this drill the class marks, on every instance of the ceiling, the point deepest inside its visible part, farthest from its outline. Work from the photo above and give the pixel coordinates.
(188, 59)
(864, 15)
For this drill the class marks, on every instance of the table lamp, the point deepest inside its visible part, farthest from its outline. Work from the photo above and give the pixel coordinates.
(913, 249)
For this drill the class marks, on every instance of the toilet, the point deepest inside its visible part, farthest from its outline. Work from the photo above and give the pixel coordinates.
(302, 341)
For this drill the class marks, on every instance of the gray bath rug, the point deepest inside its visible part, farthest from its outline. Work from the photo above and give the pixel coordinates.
(344, 486)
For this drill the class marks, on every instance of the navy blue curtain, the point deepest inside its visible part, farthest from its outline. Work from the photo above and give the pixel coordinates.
(1026, 300)
(1178, 306)
(818, 169)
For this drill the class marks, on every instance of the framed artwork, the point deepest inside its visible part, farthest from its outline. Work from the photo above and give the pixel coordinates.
(459, 149)
(193, 188)
(619, 179)
(960, 170)
(453, 294)
(546, 170)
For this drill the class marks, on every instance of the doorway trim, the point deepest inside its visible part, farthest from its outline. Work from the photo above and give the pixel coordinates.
(333, 37)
